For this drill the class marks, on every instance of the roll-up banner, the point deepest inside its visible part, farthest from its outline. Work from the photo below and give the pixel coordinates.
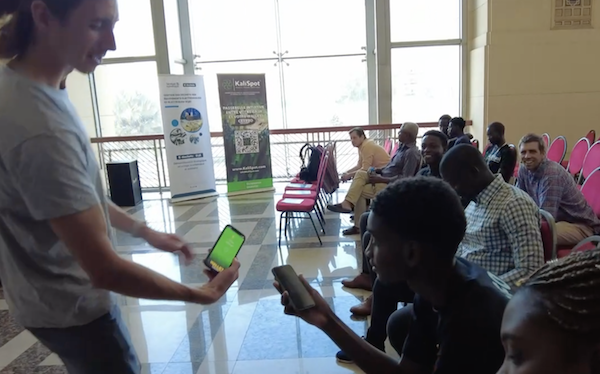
(243, 100)
(187, 137)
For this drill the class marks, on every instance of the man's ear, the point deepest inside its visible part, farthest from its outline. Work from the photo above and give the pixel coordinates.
(411, 253)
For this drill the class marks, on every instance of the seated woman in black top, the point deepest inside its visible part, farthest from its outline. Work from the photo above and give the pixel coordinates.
(552, 324)
(500, 156)
(458, 306)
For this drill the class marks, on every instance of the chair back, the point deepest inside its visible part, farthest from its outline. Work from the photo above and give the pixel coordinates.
(396, 146)
(548, 230)
(578, 156)
(591, 191)
(322, 168)
(546, 139)
(475, 143)
(387, 145)
(591, 136)
(331, 178)
(591, 161)
(557, 150)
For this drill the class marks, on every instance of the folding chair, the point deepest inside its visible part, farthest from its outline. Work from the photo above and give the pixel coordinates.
(578, 154)
(557, 150)
(591, 162)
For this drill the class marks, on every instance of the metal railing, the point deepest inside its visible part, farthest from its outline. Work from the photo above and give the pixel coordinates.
(149, 150)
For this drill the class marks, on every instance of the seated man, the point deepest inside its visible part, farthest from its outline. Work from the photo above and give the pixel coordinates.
(405, 163)
(456, 132)
(554, 190)
(501, 158)
(458, 307)
(433, 146)
(443, 123)
(502, 236)
(370, 154)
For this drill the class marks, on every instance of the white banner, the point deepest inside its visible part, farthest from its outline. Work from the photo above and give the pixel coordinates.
(187, 137)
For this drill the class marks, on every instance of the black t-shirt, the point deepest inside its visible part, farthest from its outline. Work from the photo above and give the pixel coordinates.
(500, 158)
(464, 336)
(427, 172)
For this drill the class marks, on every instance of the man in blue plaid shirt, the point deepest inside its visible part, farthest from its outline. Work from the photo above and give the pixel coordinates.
(503, 223)
(554, 190)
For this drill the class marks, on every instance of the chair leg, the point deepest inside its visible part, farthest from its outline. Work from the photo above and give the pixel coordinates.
(287, 218)
(315, 227)
(280, 219)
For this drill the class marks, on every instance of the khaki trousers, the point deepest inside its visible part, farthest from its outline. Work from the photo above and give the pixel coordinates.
(569, 234)
(360, 191)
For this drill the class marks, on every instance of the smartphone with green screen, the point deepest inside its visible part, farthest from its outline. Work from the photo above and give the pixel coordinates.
(225, 250)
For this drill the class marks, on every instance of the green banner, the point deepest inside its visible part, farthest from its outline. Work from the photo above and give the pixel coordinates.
(243, 100)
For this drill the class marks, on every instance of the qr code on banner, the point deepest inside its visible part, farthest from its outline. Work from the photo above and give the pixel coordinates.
(246, 141)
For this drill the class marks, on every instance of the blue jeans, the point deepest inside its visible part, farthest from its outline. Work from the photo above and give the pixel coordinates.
(100, 347)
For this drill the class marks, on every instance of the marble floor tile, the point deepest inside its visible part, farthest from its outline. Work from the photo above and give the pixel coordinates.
(210, 232)
(16, 347)
(295, 366)
(216, 367)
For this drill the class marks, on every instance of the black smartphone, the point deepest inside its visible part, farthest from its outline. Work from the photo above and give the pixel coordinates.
(289, 281)
(225, 250)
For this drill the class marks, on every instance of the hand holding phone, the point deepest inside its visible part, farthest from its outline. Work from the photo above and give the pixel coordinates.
(225, 250)
(300, 299)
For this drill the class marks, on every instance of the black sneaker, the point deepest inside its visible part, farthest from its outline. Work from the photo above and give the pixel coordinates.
(343, 358)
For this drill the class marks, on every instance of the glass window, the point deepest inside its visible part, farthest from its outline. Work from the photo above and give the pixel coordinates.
(210, 71)
(134, 33)
(316, 27)
(173, 35)
(128, 99)
(78, 87)
(413, 20)
(425, 83)
(233, 29)
(323, 92)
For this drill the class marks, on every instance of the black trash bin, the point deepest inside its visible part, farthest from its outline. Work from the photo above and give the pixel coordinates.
(124, 182)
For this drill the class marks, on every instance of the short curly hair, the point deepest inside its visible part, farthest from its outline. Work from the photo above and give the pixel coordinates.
(425, 210)
(440, 135)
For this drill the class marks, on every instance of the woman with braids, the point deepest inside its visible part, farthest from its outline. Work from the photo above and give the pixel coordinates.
(552, 324)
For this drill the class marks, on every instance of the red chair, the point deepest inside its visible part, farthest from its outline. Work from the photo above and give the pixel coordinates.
(546, 139)
(591, 136)
(591, 192)
(475, 143)
(557, 150)
(578, 156)
(548, 230)
(387, 145)
(303, 201)
(591, 162)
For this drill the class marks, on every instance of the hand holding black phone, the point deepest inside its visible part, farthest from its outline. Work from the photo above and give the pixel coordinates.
(289, 281)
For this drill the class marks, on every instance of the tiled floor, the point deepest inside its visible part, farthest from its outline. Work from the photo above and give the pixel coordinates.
(245, 332)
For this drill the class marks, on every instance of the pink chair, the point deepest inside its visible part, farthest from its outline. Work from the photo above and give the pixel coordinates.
(304, 199)
(591, 162)
(591, 136)
(387, 145)
(549, 240)
(546, 138)
(557, 150)
(396, 146)
(578, 156)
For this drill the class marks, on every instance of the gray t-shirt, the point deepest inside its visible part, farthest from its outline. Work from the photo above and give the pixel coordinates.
(47, 170)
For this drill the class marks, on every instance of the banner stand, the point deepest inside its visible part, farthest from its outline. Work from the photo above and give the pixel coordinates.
(244, 115)
(258, 190)
(187, 137)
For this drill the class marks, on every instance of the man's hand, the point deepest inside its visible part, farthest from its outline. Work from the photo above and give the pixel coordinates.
(318, 316)
(219, 283)
(167, 242)
(376, 178)
(345, 177)
(378, 171)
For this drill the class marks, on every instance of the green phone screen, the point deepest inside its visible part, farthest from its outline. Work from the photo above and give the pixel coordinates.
(225, 249)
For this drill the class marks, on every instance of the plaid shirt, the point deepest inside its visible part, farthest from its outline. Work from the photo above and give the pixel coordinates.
(503, 232)
(554, 190)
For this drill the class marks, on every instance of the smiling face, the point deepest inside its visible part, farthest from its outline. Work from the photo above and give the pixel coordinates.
(531, 155)
(432, 149)
(82, 39)
(534, 345)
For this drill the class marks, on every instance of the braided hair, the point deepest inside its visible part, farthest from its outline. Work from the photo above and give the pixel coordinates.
(569, 291)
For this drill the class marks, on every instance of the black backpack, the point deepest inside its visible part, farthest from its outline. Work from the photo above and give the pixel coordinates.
(308, 172)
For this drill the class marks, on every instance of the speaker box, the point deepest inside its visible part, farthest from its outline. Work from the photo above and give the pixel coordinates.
(124, 183)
